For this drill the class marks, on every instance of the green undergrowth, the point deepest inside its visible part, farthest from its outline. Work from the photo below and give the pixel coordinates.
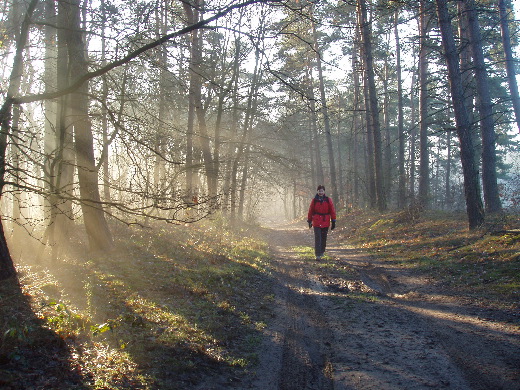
(483, 263)
(169, 306)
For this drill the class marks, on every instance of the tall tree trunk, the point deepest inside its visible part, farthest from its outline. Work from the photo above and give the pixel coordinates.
(159, 170)
(244, 142)
(196, 76)
(413, 134)
(312, 166)
(510, 61)
(15, 151)
(341, 187)
(316, 146)
(487, 127)
(468, 79)
(326, 119)
(401, 187)
(94, 218)
(474, 206)
(62, 165)
(369, 150)
(192, 15)
(104, 113)
(424, 169)
(356, 129)
(447, 182)
(387, 148)
(7, 269)
(373, 101)
(50, 77)
(253, 108)
(17, 168)
(228, 195)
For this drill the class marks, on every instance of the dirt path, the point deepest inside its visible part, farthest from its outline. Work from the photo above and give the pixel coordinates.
(363, 325)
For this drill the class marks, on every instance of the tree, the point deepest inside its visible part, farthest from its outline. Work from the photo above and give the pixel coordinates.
(91, 204)
(487, 127)
(7, 269)
(510, 62)
(474, 206)
(325, 112)
(401, 191)
(373, 104)
(424, 160)
(93, 214)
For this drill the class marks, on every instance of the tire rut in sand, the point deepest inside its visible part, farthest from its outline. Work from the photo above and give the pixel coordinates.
(359, 324)
(305, 360)
(296, 355)
(411, 334)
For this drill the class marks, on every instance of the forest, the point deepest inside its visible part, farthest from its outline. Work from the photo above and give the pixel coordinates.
(125, 123)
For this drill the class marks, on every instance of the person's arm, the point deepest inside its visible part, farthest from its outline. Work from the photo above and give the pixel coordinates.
(332, 215)
(310, 214)
(332, 210)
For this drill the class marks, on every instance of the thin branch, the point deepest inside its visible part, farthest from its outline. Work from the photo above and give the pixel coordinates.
(134, 54)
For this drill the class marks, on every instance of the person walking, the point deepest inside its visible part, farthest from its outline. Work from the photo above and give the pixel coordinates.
(321, 215)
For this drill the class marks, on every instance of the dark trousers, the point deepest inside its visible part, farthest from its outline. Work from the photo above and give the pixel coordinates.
(320, 240)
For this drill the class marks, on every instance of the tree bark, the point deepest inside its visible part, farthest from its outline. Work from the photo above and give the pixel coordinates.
(318, 164)
(326, 119)
(474, 206)
(487, 127)
(424, 160)
(50, 77)
(413, 135)
(373, 102)
(7, 268)
(387, 148)
(231, 146)
(243, 145)
(401, 187)
(510, 61)
(104, 115)
(196, 93)
(94, 219)
(447, 182)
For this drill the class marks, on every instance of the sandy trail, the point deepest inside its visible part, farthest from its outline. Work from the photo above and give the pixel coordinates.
(376, 326)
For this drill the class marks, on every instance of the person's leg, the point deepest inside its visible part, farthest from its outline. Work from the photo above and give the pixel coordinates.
(323, 240)
(317, 241)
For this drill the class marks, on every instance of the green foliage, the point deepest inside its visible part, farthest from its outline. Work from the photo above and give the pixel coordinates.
(191, 296)
(482, 263)
(305, 252)
(63, 320)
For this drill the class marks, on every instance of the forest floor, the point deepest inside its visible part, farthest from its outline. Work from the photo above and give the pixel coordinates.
(396, 304)
(355, 322)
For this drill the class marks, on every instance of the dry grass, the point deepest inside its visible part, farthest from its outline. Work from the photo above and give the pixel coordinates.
(168, 307)
(483, 263)
(175, 305)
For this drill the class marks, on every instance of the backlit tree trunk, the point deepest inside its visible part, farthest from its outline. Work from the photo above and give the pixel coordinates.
(474, 207)
(373, 102)
(196, 93)
(424, 159)
(487, 126)
(401, 190)
(315, 140)
(93, 214)
(326, 119)
(510, 61)
(7, 269)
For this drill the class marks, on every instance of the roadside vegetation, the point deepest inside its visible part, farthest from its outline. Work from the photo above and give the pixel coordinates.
(174, 306)
(169, 307)
(483, 264)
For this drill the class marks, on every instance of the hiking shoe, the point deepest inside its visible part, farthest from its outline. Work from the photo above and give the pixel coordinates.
(318, 258)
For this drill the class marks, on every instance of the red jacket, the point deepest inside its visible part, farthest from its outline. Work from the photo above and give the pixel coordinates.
(321, 211)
